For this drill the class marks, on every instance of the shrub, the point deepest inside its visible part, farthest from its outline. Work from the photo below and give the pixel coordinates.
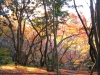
(5, 56)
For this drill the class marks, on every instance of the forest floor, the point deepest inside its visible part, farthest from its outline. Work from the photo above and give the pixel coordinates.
(21, 70)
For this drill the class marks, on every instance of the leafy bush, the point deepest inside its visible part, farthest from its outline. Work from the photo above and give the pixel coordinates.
(5, 56)
(50, 61)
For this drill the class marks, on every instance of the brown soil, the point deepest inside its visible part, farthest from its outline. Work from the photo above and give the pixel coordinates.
(20, 70)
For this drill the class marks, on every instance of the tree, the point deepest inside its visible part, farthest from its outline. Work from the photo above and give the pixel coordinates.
(98, 34)
(18, 16)
(93, 35)
(35, 37)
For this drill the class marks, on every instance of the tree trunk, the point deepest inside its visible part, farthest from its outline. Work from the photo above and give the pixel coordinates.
(98, 28)
(47, 35)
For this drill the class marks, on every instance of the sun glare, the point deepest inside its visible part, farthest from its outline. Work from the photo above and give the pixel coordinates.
(23, 68)
(7, 67)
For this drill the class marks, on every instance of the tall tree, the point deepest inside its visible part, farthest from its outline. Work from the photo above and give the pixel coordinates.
(94, 34)
(19, 17)
(98, 34)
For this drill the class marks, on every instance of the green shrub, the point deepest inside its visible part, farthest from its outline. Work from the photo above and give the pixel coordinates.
(5, 56)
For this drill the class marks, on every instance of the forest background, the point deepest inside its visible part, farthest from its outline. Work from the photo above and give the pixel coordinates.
(39, 33)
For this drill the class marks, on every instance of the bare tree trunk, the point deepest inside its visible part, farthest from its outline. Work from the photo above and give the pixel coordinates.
(93, 33)
(98, 28)
(55, 53)
(46, 47)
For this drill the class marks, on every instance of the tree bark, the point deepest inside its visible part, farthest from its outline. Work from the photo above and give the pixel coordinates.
(98, 28)
(47, 35)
